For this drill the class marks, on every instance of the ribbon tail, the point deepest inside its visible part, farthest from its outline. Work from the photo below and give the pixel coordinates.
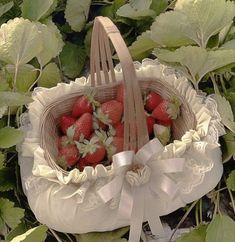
(137, 215)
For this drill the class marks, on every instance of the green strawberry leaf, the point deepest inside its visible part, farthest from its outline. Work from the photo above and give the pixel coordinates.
(20, 41)
(20, 229)
(37, 234)
(231, 181)
(159, 6)
(72, 58)
(103, 236)
(136, 9)
(50, 76)
(192, 22)
(9, 137)
(13, 99)
(26, 76)
(221, 229)
(196, 235)
(225, 111)
(143, 46)
(76, 13)
(36, 9)
(196, 62)
(5, 7)
(9, 214)
(228, 146)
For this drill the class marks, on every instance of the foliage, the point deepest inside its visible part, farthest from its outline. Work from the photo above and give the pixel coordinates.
(44, 42)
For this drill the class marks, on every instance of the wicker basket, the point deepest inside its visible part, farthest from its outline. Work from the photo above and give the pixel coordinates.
(76, 201)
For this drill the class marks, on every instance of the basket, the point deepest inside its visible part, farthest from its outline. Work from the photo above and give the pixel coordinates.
(104, 198)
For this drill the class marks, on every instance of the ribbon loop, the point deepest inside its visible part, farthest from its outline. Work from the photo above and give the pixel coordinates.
(139, 177)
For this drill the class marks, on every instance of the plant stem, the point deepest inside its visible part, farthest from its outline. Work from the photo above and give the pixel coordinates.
(55, 235)
(200, 210)
(183, 218)
(232, 200)
(196, 215)
(223, 84)
(15, 76)
(214, 83)
(40, 74)
(9, 117)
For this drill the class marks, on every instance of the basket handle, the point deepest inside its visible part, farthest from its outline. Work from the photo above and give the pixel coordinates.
(135, 127)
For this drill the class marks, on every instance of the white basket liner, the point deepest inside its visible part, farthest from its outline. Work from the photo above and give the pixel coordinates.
(56, 199)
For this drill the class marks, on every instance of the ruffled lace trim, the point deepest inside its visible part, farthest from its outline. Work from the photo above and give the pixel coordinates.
(193, 144)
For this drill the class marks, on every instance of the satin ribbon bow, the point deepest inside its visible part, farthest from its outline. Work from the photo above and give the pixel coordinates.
(142, 180)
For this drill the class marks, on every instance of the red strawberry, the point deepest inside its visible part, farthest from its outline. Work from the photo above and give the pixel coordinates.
(110, 112)
(118, 143)
(64, 141)
(93, 151)
(165, 122)
(84, 104)
(152, 101)
(82, 127)
(65, 122)
(167, 110)
(70, 154)
(119, 129)
(120, 93)
(150, 122)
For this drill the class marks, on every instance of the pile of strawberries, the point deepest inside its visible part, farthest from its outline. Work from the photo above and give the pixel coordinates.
(94, 131)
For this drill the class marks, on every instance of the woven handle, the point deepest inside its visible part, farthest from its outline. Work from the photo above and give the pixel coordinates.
(135, 127)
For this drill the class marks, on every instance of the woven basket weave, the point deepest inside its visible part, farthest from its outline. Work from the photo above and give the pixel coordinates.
(104, 33)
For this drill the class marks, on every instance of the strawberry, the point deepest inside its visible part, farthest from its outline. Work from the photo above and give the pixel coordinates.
(65, 121)
(84, 104)
(119, 129)
(93, 151)
(120, 93)
(81, 128)
(110, 112)
(69, 154)
(152, 100)
(163, 133)
(165, 122)
(64, 141)
(150, 122)
(118, 143)
(114, 145)
(167, 110)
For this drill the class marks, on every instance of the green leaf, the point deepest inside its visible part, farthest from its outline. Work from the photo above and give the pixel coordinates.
(221, 229)
(142, 47)
(136, 9)
(76, 13)
(37, 234)
(9, 214)
(52, 43)
(50, 76)
(25, 77)
(20, 41)
(231, 181)
(2, 160)
(228, 146)
(103, 236)
(159, 6)
(196, 62)
(3, 111)
(7, 178)
(196, 235)
(34, 10)
(5, 7)
(225, 111)
(72, 58)
(13, 99)
(192, 21)
(230, 45)
(20, 229)
(9, 137)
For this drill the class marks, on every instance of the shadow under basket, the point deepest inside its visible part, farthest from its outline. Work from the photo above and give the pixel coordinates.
(49, 124)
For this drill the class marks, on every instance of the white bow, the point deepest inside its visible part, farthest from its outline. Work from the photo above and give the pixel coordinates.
(147, 176)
